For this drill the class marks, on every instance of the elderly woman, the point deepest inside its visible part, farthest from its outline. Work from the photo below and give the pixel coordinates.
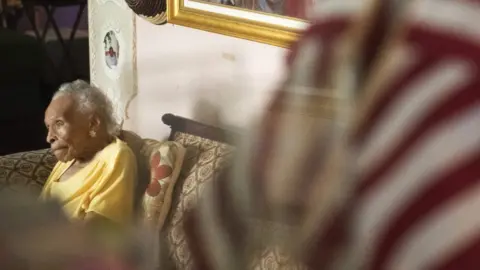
(95, 175)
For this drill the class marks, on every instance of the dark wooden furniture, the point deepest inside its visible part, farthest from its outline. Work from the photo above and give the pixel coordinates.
(50, 7)
(3, 13)
(181, 124)
(9, 15)
(24, 93)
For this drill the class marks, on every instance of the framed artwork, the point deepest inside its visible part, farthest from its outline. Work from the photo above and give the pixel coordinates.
(275, 22)
(112, 47)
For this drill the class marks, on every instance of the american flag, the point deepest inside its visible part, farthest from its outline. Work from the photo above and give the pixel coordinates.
(370, 150)
(419, 160)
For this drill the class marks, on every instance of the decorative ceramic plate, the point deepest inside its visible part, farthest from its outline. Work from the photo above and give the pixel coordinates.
(153, 11)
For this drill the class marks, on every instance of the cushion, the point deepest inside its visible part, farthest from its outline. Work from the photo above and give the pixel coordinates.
(137, 145)
(165, 160)
(26, 170)
(204, 160)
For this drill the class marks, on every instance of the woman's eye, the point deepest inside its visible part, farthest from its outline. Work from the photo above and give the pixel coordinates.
(59, 123)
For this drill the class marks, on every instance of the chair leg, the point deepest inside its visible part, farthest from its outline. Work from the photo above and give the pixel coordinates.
(30, 12)
(50, 22)
(81, 9)
(3, 14)
(66, 51)
(47, 25)
(76, 24)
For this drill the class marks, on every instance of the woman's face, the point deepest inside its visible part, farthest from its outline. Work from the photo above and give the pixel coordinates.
(68, 129)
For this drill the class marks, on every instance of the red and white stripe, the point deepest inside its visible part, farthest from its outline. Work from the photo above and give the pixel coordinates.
(419, 158)
(418, 145)
(218, 238)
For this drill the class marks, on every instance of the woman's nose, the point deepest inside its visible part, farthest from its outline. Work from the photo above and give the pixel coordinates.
(50, 137)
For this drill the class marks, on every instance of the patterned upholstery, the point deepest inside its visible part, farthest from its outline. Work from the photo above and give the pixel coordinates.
(203, 161)
(27, 170)
(271, 256)
(275, 259)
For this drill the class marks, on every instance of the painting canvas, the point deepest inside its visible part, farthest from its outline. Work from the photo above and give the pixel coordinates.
(298, 9)
(274, 22)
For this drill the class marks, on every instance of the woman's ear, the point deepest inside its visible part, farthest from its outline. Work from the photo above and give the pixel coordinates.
(95, 122)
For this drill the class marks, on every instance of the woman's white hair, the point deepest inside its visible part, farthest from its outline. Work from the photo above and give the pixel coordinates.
(91, 99)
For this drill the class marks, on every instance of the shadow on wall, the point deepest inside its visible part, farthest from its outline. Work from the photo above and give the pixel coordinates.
(218, 101)
(205, 111)
(213, 110)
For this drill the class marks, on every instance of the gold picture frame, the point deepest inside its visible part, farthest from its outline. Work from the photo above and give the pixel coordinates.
(264, 32)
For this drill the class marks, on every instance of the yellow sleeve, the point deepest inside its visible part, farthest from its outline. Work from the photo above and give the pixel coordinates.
(45, 195)
(113, 195)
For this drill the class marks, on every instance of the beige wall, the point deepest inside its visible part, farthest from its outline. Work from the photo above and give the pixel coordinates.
(193, 73)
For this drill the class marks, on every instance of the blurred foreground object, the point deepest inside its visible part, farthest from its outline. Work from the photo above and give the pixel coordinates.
(369, 153)
(419, 142)
(35, 235)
